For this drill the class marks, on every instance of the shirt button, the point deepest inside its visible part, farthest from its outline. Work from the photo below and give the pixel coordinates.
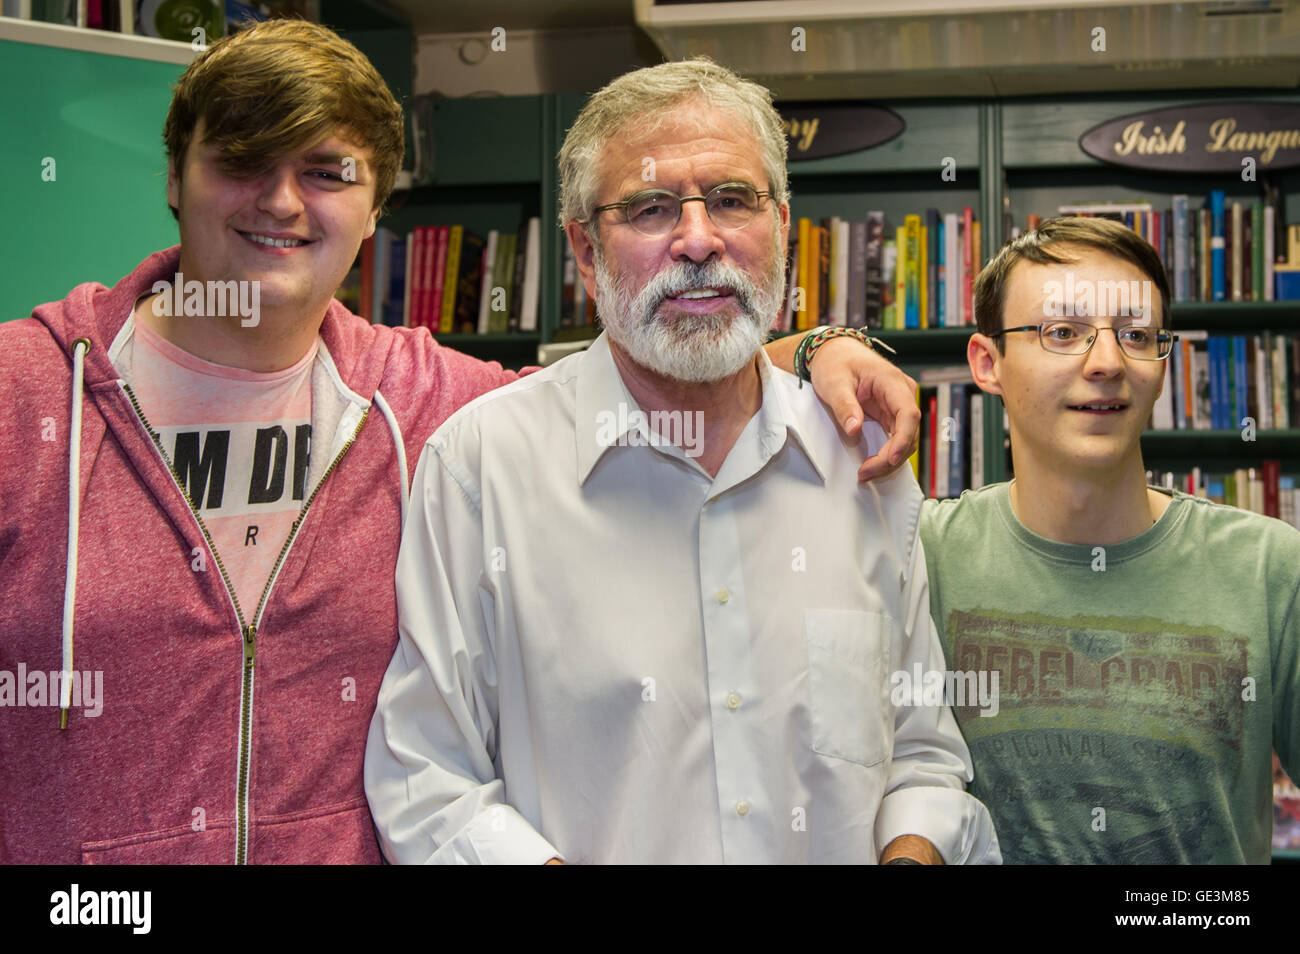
(742, 807)
(733, 701)
(723, 595)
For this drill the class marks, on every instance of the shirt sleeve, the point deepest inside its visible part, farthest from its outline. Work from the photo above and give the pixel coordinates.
(1286, 678)
(925, 794)
(430, 758)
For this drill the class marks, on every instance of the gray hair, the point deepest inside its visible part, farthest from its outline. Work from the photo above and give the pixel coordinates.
(647, 97)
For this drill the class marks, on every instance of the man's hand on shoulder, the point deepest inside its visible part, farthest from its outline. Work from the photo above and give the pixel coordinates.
(852, 380)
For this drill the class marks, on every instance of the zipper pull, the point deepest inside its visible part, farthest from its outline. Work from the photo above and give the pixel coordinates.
(250, 645)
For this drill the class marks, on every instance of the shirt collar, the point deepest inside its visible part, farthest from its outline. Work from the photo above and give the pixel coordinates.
(603, 417)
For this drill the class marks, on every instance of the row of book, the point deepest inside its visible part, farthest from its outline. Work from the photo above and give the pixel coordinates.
(950, 452)
(577, 309)
(450, 280)
(863, 274)
(166, 19)
(1263, 490)
(1214, 382)
(1219, 252)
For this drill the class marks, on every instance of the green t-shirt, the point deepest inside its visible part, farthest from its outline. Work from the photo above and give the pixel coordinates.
(1141, 685)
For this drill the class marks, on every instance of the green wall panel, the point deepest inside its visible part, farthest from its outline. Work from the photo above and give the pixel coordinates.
(100, 119)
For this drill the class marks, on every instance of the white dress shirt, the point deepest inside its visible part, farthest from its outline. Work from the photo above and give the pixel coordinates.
(607, 655)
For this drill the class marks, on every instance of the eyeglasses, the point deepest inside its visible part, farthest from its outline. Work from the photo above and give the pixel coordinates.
(657, 211)
(1078, 337)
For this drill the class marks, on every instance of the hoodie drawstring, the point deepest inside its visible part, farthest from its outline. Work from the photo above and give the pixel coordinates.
(80, 348)
(401, 448)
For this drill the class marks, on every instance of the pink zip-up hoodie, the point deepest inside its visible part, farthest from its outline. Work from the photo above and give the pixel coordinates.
(223, 734)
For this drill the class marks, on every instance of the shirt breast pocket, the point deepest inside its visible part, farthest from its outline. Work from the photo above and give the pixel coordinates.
(847, 686)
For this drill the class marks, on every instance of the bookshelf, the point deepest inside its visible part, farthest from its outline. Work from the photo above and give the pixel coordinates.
(1043, 167)
(492, 159)
(494, 169)
(902, 177)
(1012, 157)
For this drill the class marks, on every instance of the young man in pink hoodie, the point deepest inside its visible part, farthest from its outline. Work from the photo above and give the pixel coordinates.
(202, 488)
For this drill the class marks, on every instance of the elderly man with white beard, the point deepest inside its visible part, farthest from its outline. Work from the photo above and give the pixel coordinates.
(621, 644)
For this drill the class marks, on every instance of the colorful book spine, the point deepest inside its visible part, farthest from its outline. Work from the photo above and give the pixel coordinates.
(450, 273)
(1240, 380)
(969, 269)
(488, 280)
(532, 276)
(953, 270)
(976, 440)
(1182, 250)
(1218, 276)
(860, 272)
(912, 265)
(803, 320)
(957, 452)
(929, 268)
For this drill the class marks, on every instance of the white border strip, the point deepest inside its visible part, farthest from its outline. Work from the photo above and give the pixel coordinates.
(96, 41)
(703, 13)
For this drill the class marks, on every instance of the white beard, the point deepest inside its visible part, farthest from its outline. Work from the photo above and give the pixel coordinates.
(694, 348)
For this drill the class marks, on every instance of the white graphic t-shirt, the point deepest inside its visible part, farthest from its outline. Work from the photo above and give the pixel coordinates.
(239, 442)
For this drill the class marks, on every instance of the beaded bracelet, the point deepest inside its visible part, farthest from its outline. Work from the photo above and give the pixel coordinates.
(803, 354)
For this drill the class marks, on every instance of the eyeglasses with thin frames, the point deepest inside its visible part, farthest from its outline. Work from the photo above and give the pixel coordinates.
(1077, 337)
(655, 212)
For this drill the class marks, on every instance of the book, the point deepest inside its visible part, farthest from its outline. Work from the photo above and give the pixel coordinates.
(1218, 275)
(900, 279)
(436, 278)
(953, 269)
(812, 277)
(488, 277)
(930, 269)
(957, 452)
(840, 253)
(888, 266)
(420, 243)
(468, 285)
(532, 276)
(941, 279)
(503, 271)
(803, 248)
(450, 269)
(912, 265)
(1182, 241)
(943, 445)
(859, 267)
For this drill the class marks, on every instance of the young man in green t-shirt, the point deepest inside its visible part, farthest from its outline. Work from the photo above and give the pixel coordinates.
(1146, 642)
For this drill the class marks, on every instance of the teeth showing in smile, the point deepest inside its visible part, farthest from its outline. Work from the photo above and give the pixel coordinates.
(699, 293)
(274, 242)
(1099, 407)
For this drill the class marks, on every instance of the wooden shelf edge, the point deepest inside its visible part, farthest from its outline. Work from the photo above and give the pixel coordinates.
(87, 40)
